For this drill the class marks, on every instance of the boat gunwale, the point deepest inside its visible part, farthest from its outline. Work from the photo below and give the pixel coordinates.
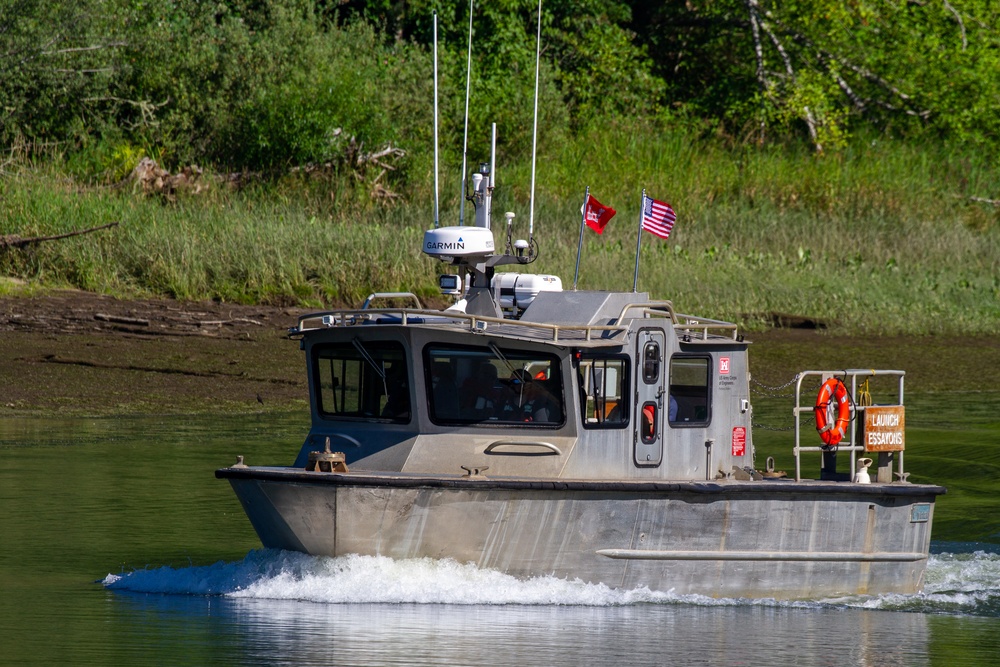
(765, 487)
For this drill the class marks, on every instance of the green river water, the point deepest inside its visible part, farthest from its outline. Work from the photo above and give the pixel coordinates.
(136, 498)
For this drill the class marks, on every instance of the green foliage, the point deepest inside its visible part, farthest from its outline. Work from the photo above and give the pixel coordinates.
(267, 87)
(57, 64)
(906, 67)
(604, 73)
(262, 85)
(313, 105)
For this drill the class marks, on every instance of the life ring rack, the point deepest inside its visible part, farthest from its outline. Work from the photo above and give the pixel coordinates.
(831, 423)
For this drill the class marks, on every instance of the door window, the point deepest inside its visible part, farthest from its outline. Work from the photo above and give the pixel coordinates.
(603, 394)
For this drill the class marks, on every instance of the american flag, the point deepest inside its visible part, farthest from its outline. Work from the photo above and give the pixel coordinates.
(657, 217)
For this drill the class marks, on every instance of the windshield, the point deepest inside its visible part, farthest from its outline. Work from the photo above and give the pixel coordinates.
(491, 385)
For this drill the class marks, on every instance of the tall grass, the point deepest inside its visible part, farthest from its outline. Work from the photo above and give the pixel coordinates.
(880, 238)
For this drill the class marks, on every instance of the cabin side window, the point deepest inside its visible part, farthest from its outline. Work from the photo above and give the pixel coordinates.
(493, 386)
(362, 381)
(603, 394)
(689, 402)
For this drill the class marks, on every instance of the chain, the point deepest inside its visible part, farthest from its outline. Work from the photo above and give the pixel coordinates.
(773, 392)
(765, 427)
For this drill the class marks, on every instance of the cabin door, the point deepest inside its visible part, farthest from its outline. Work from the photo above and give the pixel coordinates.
(649, 399)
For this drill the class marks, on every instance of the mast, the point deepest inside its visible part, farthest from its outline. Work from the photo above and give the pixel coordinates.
(638, 243)
(579, 244)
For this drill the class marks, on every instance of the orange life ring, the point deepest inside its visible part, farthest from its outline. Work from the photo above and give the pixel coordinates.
(832, 430)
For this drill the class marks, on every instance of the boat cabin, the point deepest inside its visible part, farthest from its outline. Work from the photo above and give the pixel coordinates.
(574, 384)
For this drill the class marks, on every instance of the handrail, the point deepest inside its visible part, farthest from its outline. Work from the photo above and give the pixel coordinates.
(390, 295)
(548, 446)
(690, 323)
(476, 323)
(658, 308)
(704, 325)
(847, 444)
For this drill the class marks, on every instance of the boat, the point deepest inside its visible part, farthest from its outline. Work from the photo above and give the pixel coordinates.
(591, 435)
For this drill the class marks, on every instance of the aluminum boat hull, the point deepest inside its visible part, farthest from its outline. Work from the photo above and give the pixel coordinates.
(780, 539)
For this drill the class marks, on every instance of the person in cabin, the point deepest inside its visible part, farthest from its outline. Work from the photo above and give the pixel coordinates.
(480, 393)
(444, 391)
(397, 403)
(535, 403)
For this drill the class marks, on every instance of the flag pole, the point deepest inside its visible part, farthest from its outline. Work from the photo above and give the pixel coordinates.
(579, 245)
(638, 242)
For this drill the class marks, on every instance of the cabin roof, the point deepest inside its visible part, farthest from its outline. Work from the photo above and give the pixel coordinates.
(579, 307)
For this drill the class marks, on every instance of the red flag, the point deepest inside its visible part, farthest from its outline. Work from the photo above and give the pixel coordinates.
(657, 217)
(597, 214)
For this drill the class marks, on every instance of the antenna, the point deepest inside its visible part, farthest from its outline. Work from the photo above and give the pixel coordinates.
(465, 141)
(534, 131)
(437, 209)
(493, 157)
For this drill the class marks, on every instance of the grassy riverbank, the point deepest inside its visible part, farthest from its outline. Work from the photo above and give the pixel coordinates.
(882, 238)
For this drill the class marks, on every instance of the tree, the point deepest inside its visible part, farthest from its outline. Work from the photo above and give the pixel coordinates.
(830, 66)
(57, 64)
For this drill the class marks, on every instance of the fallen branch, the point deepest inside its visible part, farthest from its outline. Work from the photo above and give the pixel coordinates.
(219, 323)
(14, 241)
(121, 320)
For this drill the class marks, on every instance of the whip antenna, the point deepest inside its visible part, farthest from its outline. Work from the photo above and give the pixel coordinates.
(493, 156)
(437, 208)
(465, 141)
(534, 131)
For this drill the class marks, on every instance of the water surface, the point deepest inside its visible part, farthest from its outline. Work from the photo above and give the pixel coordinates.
(120, 547)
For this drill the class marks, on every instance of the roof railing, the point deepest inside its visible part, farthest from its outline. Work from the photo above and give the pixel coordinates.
(693, 326)
(471, 323)
(690, 324)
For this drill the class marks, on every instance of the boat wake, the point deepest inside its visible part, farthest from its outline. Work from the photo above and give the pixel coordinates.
(956, 583)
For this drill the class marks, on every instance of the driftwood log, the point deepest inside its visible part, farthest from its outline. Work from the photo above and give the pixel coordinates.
(8, 241)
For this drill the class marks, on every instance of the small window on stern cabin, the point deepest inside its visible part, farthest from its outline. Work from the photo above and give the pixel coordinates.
(690, 399)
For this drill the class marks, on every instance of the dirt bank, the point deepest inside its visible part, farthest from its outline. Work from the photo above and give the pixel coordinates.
(79, 353)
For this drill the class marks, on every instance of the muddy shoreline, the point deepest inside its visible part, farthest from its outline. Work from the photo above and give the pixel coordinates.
(78, 353)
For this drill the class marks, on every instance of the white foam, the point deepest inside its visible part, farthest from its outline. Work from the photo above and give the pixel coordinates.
(953, 583)
(966, 583)
(281, 575)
